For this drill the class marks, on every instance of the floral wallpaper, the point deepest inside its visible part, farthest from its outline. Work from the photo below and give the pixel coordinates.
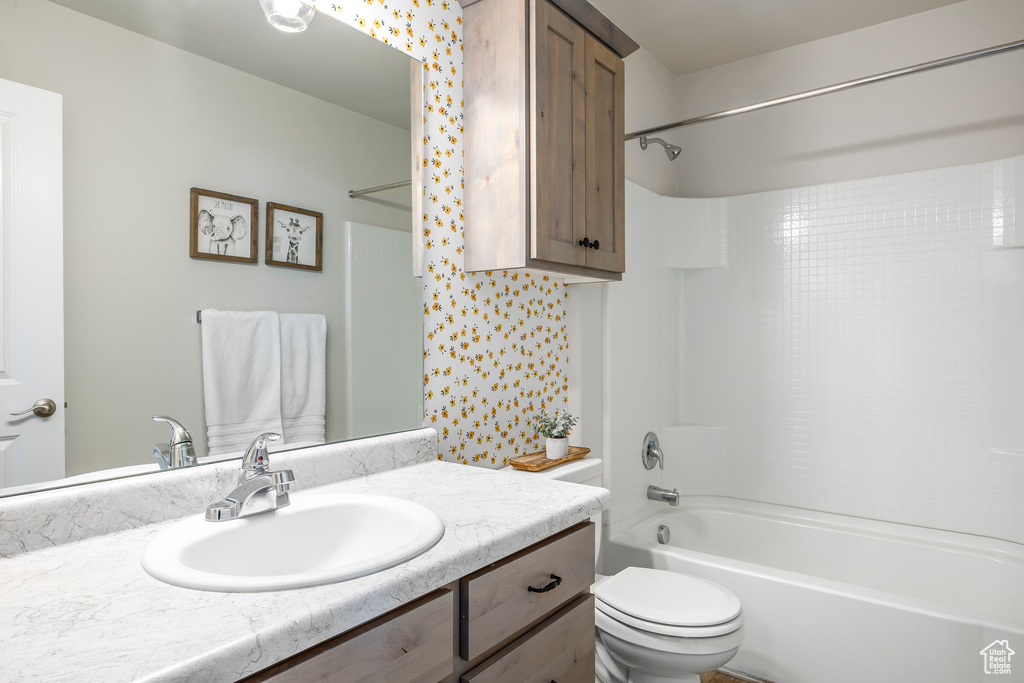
(495, 349)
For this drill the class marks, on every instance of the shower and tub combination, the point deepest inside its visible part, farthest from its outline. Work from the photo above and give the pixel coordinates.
(842, 363)
(840, 599)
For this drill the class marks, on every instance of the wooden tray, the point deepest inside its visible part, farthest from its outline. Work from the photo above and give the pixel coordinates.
(535, 462)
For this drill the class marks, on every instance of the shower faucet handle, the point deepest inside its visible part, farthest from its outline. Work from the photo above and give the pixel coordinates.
(651, 453)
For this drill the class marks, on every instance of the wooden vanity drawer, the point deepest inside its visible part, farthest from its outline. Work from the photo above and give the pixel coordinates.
(561, 649)
(497, 603)
(412, 644)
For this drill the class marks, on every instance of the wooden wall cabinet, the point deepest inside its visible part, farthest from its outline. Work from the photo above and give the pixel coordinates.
(544, 138)
(529, 616)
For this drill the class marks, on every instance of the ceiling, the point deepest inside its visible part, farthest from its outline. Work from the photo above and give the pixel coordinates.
(690, 35)
(330, 61)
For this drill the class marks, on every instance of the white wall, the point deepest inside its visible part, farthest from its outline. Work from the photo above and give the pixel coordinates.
(650, 101)
(641, 343)
(144, 122)
(957, 115)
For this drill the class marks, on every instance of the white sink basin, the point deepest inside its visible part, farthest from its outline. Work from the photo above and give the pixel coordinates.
(320, 538)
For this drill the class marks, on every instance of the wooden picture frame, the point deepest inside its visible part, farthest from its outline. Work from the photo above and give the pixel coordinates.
(223, 227)
(289, 242)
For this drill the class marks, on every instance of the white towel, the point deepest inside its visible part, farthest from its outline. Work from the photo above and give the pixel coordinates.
(241, 377)
(303, 376)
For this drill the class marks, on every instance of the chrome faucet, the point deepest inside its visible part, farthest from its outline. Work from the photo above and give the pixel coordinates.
(651, 452)
(663, 495)
(179, 452)
(259, 488)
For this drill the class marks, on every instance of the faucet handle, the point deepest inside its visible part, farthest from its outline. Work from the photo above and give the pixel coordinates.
(178, 432)
(651, 452)
(256, 460)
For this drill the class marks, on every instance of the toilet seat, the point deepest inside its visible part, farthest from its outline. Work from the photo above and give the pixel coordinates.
(666, 629)
(607, 627)
(669, 604)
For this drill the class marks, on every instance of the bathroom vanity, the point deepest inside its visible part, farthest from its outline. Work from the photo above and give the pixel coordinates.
(78, 605)
(493, 625)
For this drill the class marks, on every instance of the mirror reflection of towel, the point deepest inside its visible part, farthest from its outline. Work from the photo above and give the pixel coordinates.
(263, 372)
(303, 376)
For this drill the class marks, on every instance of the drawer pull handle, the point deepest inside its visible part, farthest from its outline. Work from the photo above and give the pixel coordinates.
(550, 586)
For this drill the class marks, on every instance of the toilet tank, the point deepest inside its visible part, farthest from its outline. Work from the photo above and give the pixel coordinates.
(587, 471)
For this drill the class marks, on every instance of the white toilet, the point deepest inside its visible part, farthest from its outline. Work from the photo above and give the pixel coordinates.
(653, 625)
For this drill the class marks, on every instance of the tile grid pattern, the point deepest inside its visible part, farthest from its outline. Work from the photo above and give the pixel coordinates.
(704, 243)
(855, 366)
(495, 347)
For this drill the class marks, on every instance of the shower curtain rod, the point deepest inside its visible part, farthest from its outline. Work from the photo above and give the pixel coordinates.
(807, 94)
(379, 188)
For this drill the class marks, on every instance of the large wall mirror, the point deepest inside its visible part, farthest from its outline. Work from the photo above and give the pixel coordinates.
(161, 97)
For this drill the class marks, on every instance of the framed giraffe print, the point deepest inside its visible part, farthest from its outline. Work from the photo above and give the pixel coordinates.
(295, 237)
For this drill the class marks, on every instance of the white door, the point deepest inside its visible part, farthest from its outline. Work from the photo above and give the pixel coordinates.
(31, 283)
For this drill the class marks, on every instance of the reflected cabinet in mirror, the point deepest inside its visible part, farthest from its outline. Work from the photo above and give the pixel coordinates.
(111, 113)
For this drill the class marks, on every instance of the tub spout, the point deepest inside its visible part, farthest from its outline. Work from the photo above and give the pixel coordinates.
(663, 495)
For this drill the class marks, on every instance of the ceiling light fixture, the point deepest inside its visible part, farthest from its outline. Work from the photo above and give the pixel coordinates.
(290, 16)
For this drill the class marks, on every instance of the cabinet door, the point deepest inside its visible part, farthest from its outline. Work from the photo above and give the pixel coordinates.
(413, 644)
(558, 68)
(502, 599)
(560, 649)
(606, 169)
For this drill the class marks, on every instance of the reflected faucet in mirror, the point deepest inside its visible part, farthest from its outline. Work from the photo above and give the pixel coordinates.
(179, 451)
(259, 488)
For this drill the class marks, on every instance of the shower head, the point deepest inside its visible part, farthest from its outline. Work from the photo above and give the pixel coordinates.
(671, 151)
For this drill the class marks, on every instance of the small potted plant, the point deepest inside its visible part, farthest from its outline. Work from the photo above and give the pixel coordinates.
(555, 430)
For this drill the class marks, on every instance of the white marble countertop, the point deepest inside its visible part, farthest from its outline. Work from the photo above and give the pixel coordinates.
(87, 611)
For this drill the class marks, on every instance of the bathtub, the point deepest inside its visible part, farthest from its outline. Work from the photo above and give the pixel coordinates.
(835, 599)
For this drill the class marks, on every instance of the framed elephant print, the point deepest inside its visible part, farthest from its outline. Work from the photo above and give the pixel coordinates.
(295, 237)
(223, 227)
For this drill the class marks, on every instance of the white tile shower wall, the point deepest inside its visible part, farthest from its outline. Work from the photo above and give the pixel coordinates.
(843, 348)
(694, 232)
(383, 328)
(640, 349)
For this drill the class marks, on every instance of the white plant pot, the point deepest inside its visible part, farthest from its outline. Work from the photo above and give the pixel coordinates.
(556, 448)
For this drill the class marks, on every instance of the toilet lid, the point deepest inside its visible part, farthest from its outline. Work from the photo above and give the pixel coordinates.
(664, 597)
(664, 629)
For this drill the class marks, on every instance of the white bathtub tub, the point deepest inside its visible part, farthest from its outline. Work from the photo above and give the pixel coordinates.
(834, 599)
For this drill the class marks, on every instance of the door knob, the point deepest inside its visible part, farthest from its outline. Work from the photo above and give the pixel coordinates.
(585, 242)
(44, 407)
(595, 244)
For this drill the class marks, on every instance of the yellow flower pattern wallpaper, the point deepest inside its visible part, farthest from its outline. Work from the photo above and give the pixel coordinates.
(495, 347)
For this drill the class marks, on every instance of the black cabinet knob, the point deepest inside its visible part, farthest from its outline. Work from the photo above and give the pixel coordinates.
(585, 242)
(595, 244)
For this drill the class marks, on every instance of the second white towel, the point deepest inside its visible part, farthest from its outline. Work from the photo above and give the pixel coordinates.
(303, 376)
(263, 372)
